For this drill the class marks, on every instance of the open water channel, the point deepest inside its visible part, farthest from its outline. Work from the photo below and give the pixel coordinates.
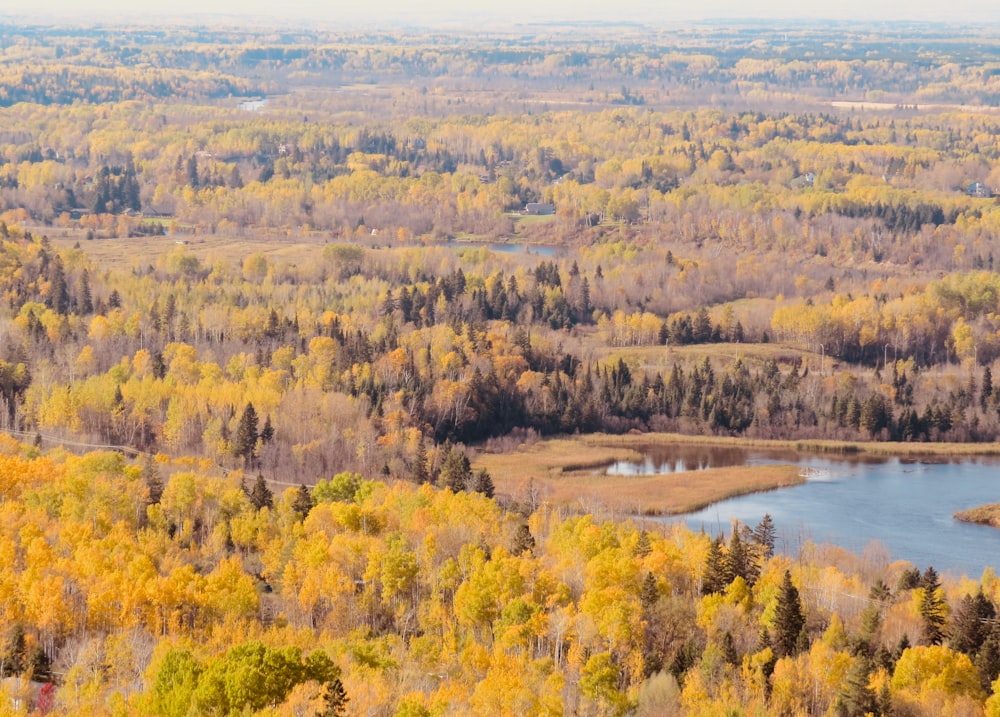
(905, 505)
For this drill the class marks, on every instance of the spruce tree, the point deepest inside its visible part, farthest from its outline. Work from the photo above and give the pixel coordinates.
(303, 502)
(764, 536)
(154, 483)
(418, 469)
(482, 482)
(267, 431)
(245, 443)
(260, 494)
(714, 578)
(789, 621)
(739, 562)
(456, 471)
(970, 625)
(932, 608)
(643, 546)
(650, 593)
(857, 698)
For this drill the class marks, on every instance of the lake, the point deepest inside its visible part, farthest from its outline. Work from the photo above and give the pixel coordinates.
(906, 505)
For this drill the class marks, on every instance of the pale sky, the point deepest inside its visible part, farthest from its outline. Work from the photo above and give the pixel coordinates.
(382, 12)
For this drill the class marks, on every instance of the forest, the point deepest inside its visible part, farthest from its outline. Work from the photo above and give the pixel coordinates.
(267, 297)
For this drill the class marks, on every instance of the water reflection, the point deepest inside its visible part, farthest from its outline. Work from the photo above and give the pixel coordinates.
(679, 458)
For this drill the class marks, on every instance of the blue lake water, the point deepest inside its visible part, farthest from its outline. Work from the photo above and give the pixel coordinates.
(906, 505)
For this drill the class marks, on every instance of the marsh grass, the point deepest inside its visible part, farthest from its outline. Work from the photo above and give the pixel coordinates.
(566, 471)
(981, 515)
(669, 493)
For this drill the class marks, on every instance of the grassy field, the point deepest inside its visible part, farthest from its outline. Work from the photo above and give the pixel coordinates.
(125, 253)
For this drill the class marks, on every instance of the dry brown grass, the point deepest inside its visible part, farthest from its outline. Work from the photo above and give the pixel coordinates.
(141, 251)
(568, 472)
(551, 459)
(982, 515)
(666, 494)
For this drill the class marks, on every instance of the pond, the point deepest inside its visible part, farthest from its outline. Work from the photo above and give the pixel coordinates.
(511, 247)
(906, 505)
(254, 105)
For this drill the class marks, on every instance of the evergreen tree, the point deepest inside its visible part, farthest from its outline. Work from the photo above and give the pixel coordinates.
(245, 444)
(85, 301)
(649, 593)
(482, 482)
(524, 541)
(933, 610)
(643, 547)
(303, 502)
(418, 471)
(970, 625)
(260, 495)
(336, 699)
(988, 659)
(456, 471)
(267, 431)
(738, 561)
(714, 578)
(789, 621)
(857, 698)
(764, 535)
(154, 483)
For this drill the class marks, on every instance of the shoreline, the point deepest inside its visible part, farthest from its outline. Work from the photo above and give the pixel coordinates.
(818, 446)
(563, 471)
(987, 515)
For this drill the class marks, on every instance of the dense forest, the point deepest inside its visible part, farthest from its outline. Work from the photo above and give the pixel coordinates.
(265, 296)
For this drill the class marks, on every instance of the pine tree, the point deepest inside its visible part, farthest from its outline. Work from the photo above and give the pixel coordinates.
(260, 495)
(456, 471)
(245, 445)
(482, 482)
(932, 607)
(988, 659)
(643, 546)
(970, 625)
(857, 698)
(267, 431)
(336, 699)
(789, 621)
(650, 593)
(303, 502)
(714, 578)
(764, 536)
(738, 562)
(154, 483)
(418, 470)
(85, 302)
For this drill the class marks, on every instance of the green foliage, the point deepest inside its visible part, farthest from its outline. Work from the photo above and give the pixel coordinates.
(933, 608)
(343, 487)
(175, 684)
(789, 620)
